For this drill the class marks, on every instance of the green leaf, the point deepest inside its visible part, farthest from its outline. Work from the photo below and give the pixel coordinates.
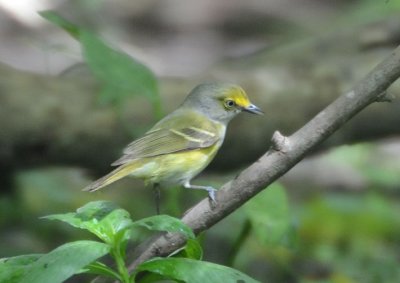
(193, 271)
(100, 268)
(269, 215)
(54, 267)
(102, 218)
(165, 223)
(11, 269)
(66, 25)
(152, 278)
(192, 250)
(121, 75)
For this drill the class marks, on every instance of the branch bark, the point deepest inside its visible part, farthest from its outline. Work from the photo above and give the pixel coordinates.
(285, 153)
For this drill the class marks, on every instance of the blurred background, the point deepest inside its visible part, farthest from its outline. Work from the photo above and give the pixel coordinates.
(332, 218)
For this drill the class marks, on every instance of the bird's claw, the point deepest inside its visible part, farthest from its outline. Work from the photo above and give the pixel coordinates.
(211, 194)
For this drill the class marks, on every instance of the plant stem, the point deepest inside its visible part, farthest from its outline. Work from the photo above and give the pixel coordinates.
(122, 269)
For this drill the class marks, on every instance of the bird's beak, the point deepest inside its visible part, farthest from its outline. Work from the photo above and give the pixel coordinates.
(253, 109)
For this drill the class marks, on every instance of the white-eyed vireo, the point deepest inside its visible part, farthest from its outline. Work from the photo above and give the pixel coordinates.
(184, 142)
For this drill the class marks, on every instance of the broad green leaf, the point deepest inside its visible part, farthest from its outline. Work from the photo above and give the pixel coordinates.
(102, 218)
(165, 223)
(11, 269)
(101, 269)
(121, 75)
(54, 267)
(193, 271)
(66, 25)
(192, 250)
(153, 277)
(269, 215)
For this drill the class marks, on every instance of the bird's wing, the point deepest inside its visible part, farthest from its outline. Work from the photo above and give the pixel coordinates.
(173, 134)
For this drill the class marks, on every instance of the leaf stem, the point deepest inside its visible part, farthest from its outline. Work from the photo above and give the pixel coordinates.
(119, 260)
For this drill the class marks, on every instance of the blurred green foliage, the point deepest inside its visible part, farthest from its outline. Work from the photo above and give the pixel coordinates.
(322, 236)
(371, 10)
(354, 235)
(269, 215)
(379, 167)
(121, 75)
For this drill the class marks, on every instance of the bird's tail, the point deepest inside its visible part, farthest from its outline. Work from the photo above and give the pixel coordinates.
(111, 177)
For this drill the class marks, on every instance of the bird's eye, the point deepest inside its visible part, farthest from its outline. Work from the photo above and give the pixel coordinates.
(229, 103)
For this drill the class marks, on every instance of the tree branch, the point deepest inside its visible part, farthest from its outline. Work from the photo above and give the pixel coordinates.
(285, 153)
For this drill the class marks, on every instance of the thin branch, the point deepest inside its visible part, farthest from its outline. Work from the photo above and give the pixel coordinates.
(283, 155)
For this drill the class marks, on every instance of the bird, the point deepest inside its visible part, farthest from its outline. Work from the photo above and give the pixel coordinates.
(183, 143)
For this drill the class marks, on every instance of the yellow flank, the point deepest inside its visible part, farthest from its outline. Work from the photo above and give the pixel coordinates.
(174, 168)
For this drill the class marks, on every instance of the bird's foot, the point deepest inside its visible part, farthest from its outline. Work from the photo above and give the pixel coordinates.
(211, 191)
(211, 194)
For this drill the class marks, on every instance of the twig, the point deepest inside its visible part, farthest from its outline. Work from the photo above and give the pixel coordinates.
(282, 156)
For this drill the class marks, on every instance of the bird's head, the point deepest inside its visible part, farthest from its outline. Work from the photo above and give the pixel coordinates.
(220, 101)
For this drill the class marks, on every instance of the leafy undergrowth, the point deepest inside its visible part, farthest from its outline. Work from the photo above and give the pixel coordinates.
(114, 227)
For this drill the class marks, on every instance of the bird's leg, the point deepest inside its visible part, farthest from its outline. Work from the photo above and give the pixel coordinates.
(211, 191)
(157, 193)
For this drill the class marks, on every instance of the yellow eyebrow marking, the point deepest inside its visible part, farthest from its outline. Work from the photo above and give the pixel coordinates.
(241, 101)
(189, 138)
(239, 96)
(202, 131)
